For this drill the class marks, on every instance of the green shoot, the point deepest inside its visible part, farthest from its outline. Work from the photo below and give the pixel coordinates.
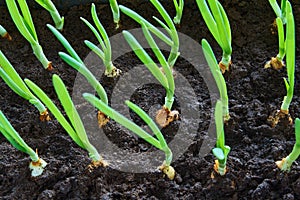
(37, 164)
(15, 82)
(286, 163)
(220, 81)
(218, 24)
(50, 7)
(4, 33)
(279, 11)
(75, 61)
(158, 142)
(277, 62)
(290, 59)
(166, 79)
(116, 12)
(221, 151)
(169, 27)
(75, 128)
(105, 54)
(25, 25)
(290, 66)
(179, 9)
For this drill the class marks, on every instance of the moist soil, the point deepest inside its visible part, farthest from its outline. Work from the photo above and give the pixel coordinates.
(254, 94)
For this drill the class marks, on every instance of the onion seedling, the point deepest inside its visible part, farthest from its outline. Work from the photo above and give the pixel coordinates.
(105, 54)
(15, 82)
(277, 62)
(290, 65)
(221, 151)
(115, 11)
(286, 163)
(50, 7)
(75, 128)
(279, 11)
(37, 164)
(158, 142)
(220, 81)
(179, 9)
(75, 61)
(170, 28)
(4, 33)
(218, 24)
(164, 116)
(25, 25)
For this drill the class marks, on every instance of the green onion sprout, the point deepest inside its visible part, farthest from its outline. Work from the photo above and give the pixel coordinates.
(37, 164)
(286, 163)
(290, 65)
(277, 62)
(16, 83)
(75, 61)
(179, 9)
(164, 116)
(221, 151)
(220, 81)
(50, 7)
(105, 54)
(4, 33)
(279, 11)
(218, 24)
(158, 142)
(75, 128)
(116, 12)
(169, 27)
(25, 25)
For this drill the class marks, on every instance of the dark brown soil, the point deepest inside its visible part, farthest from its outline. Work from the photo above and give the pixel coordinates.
(254, 93)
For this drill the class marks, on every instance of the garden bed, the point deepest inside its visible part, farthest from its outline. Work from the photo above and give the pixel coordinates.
(254, 93)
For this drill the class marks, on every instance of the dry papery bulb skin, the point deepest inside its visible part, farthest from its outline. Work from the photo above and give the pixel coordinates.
(164, 116)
